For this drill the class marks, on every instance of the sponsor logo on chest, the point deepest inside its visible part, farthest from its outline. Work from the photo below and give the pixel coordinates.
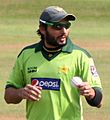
(47, 83)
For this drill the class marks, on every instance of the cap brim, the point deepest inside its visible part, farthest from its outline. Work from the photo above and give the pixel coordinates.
(70, 17)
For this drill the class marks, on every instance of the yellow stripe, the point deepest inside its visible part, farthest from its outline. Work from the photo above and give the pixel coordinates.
(51, 50)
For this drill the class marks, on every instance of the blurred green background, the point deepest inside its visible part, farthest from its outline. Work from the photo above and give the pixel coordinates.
(91, 30)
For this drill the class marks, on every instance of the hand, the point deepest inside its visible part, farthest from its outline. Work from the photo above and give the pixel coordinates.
(30, 92)
(86, 90)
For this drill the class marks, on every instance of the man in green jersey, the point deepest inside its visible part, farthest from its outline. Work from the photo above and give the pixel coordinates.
(43, 72)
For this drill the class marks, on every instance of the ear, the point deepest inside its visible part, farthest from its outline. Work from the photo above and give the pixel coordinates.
(42, 30)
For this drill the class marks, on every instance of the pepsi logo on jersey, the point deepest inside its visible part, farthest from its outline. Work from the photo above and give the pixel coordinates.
(47, 83)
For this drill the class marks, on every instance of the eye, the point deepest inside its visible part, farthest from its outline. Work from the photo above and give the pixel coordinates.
(57, 27)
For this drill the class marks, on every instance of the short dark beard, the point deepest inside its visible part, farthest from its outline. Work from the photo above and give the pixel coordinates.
(52, 41)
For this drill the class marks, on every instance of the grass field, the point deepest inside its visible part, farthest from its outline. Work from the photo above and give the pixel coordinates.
(91, 30)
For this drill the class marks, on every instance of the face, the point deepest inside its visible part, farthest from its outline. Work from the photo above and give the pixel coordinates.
(56, 36)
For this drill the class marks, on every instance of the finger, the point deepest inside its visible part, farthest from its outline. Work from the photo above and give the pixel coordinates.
(32, 95)
(35, 94)
(84, 92)
(32, 92)
(35, 88)
(33, 98)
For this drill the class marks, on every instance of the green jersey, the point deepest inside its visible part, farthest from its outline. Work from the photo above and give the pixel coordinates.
(59, 101)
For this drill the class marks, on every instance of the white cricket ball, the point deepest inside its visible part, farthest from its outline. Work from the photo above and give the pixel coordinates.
(76, 81)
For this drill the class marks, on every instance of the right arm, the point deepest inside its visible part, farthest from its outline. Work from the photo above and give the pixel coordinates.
(29, 92)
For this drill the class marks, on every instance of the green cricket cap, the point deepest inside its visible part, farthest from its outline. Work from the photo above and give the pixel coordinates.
(55, 14)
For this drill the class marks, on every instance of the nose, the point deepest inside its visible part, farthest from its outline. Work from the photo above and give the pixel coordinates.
(63, 30)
